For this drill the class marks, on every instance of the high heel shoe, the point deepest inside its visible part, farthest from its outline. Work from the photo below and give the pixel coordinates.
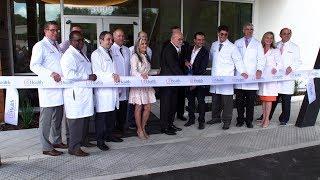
(265, 124)
(141, 135)
(145, 134)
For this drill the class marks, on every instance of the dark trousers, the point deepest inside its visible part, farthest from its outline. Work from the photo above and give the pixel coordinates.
(199, 93)
(104, 125)
(181, 101)
(85, 132)
(245, 104)
(130, 116)
(76, 133)
(168, 104)
(286, 107)
(222, 104)
(121, 114)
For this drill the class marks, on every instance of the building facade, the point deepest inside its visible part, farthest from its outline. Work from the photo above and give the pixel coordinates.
(21, 23)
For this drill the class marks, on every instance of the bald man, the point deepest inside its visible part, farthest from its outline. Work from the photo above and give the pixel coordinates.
(121, 57)
(170, 66)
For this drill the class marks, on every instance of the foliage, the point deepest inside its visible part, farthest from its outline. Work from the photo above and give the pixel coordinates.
(27, 114)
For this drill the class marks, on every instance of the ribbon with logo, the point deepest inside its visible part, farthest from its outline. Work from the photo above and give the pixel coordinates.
(11, 83)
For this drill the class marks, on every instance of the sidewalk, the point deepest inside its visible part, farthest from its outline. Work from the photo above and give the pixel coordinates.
(21, 151)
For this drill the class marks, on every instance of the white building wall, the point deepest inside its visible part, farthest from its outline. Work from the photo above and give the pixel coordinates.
(302, 16)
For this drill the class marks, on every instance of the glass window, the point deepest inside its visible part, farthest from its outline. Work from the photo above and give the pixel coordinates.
(200, 15)
(157, 19)
(28, 21)
(234, 15)
(103, 8)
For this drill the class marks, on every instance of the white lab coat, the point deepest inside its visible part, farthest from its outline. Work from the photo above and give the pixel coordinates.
(253, 59)
(78, 100)
(106, 99)
(272, 61)
(122, 66)
(289, 57)
(224, 63)
(45, 60)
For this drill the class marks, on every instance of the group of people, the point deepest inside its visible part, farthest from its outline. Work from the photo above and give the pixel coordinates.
(117, 108)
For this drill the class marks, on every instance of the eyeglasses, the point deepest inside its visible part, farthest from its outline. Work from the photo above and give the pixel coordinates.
(223, 34)
(250, 29)
(285, 33)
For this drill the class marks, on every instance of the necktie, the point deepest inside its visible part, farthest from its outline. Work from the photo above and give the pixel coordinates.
(55, 45)
(247, 42)
(281, 48)
(84, 55)
(220, 46)
(109, 52)
(121, 52)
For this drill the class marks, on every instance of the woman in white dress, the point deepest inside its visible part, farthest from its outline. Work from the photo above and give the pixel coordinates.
(268, 92)
(141, 97)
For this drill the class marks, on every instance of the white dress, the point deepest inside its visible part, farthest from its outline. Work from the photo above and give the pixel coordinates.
(140, 95)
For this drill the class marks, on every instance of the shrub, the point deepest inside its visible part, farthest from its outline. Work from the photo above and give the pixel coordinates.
(27, 114)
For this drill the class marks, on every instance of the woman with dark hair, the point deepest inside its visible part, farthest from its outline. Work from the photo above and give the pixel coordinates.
(141, 97)
(268, 91)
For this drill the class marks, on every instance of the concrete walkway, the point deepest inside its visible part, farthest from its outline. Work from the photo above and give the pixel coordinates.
(21, 151)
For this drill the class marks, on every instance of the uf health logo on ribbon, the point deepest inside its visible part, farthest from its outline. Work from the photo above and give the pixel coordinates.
(171, 81)
(31, 82)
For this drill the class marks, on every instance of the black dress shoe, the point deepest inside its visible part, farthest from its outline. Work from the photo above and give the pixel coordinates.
(239, 124)
(53, 152)
(168, 132)
(201, 126)
(182, 118)
(225, 127)
(102, 147)
(189, 123)
(176, 128)
(114, 139)
(249, 125)
(282, 123)
(214, 121)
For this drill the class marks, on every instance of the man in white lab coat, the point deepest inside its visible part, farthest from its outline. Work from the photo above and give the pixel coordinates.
(106, 99)
(78, 100)
(45, 62)
(225, 58)
(290, 57)
(121, 57)
(253, 58)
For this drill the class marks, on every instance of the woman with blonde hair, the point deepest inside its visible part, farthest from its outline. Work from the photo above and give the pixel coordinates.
(268, 91)
(141, 97)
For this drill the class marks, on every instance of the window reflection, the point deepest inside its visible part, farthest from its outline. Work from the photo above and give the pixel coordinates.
(28, 21)
(235, 15)
(157, 19)
(200, 15)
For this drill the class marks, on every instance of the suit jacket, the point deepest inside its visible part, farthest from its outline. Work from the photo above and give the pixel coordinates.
(170, 61)
(200, 63)
(184, 51)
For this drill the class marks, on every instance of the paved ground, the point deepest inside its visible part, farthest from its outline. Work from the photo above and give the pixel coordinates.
(21, 153)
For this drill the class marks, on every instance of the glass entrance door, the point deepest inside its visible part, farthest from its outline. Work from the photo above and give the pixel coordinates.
(92, 26)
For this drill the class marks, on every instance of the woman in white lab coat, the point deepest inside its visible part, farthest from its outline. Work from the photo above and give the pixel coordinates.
(268, 91)
(141, 96)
